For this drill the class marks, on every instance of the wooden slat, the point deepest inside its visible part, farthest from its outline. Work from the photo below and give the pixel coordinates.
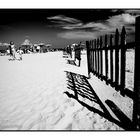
(101, 58)
(116, 59)
(78, 53)
(123, 60)
(88, 61)
(92, 56)
(106, 60)
(98, 70)
(95, 57)
(111, 61)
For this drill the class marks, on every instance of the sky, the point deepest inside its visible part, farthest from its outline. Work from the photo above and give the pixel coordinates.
(61, 27)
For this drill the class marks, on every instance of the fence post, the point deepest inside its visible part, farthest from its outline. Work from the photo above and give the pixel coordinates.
(123, 59)
(91, 65)
(70, 51)
(106, 60)
(111, 60)
(95, 57)
(98, 45)
(88, 56)
(92, 55)
(136, 107)
(75, 53)
(79, 51)
(101, 58)
(116, 59)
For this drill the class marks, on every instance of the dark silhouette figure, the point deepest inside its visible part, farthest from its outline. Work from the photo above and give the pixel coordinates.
(12, 51)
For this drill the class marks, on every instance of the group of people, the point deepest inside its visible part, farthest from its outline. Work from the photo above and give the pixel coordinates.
(12, 52)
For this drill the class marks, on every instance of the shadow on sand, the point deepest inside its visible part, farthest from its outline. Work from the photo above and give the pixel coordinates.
(81, 87)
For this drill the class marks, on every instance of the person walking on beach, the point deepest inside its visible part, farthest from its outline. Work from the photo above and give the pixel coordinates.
(13, 51)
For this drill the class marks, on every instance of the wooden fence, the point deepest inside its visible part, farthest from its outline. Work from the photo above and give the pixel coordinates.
(101, 58)
(107, 60)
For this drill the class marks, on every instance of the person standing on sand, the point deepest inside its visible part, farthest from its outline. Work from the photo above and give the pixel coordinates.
(10, 51)
(13, 50)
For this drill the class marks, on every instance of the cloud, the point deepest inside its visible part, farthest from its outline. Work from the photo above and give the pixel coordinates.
(123, 19)
(63, 19)
(68, 23)
(64, 22)
(92, 26)
(76, 29)
(72, 26)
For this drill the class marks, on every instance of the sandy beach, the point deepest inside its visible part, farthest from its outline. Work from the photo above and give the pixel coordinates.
(32, 96)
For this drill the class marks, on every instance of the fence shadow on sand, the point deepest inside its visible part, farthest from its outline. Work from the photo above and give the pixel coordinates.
(82, 88)
(71, 62)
